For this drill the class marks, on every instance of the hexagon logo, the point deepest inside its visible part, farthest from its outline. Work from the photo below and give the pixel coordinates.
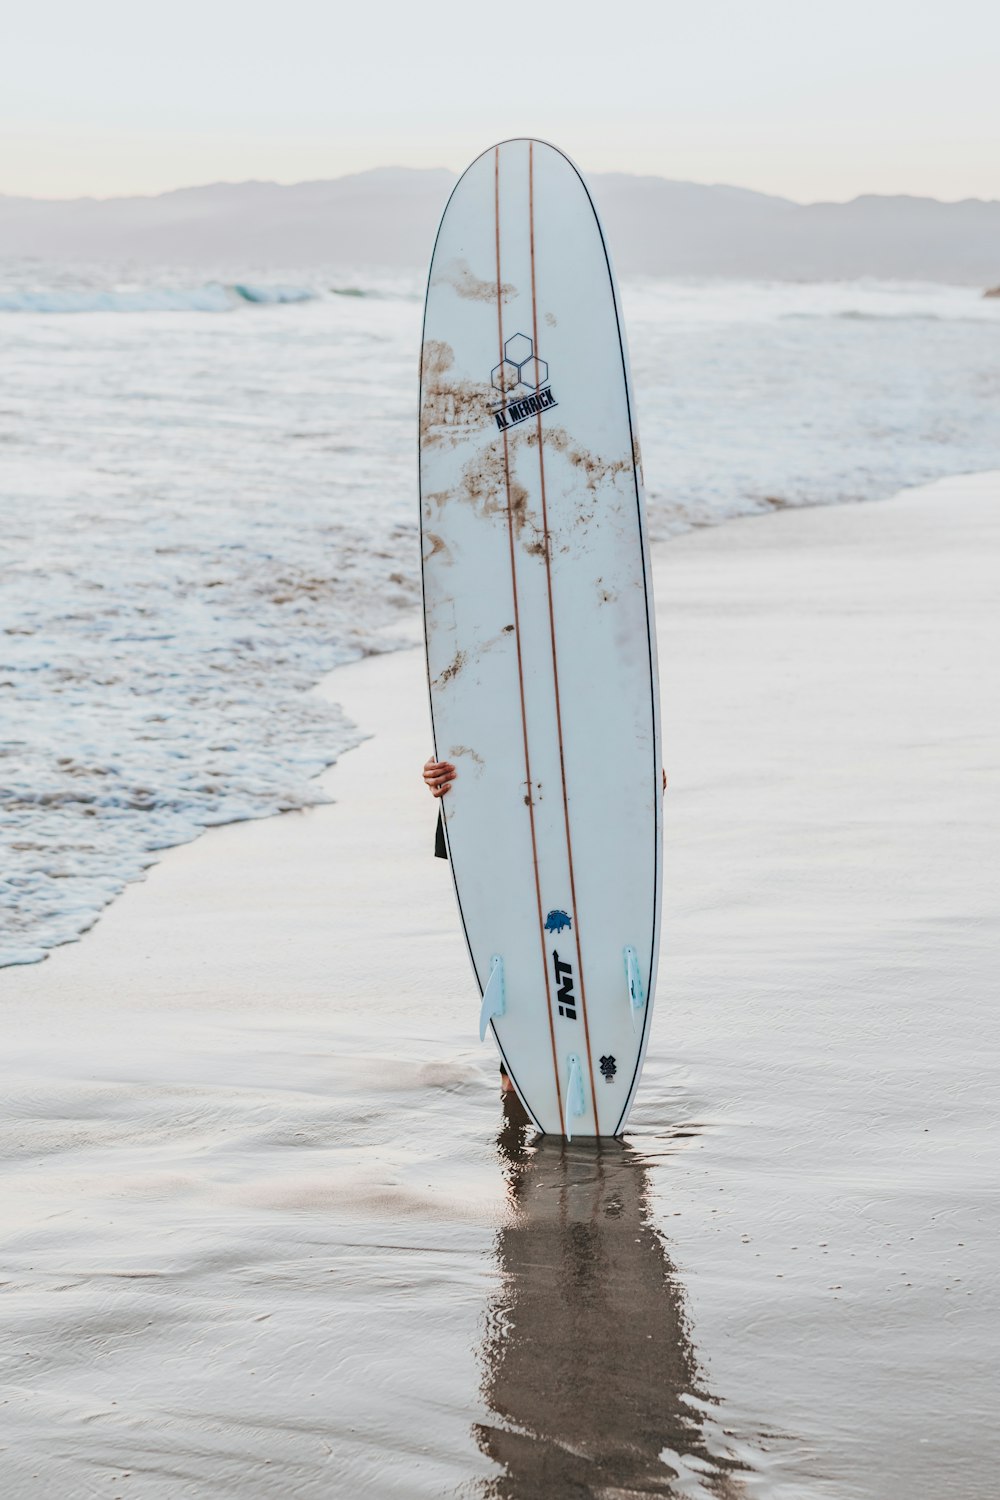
(522, 378)
(519, 366)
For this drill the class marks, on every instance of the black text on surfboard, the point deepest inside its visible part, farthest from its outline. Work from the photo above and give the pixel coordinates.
(564, 987)
(520, 411)
(521, 368)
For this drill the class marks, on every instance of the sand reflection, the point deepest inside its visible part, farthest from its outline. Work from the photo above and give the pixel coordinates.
(589, 1362)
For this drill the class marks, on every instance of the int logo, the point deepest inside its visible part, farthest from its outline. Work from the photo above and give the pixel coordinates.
(522, 380)
(564, 987)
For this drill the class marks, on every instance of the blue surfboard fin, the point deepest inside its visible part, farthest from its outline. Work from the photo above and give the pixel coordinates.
(494, 996)
(636, 993)
(575, 1103)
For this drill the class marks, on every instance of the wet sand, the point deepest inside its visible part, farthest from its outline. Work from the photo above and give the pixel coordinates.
(269, 1230)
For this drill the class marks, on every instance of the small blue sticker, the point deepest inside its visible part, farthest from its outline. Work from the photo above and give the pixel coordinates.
(557, 921)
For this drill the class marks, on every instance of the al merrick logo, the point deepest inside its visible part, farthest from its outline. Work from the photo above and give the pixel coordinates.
(523, 382)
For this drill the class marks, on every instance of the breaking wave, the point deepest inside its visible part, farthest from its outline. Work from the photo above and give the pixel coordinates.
(273, 294)
(213, 297)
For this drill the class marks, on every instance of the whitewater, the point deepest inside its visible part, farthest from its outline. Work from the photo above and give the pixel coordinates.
(209, 501)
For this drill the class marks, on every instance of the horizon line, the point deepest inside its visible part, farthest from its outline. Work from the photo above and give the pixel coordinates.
(273, 182)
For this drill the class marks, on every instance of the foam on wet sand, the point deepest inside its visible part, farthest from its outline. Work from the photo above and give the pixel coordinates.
(269, 1231)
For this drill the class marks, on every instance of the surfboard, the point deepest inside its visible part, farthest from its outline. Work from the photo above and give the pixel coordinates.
(541, 648)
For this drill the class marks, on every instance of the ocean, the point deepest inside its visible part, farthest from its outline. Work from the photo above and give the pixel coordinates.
(209, 502)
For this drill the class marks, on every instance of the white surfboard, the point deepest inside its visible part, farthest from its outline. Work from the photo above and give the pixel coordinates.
(541, 653)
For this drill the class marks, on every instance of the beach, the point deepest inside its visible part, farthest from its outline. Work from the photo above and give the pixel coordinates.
(270, 1231)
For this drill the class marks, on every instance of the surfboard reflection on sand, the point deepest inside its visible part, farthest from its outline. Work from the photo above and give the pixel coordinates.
(589, 1364)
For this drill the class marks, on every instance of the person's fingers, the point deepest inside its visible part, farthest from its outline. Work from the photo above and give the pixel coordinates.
(438, 785)
(438, 775)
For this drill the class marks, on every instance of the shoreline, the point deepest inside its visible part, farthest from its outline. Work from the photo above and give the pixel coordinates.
(269, 1230)
(26, 950)
(407, 629)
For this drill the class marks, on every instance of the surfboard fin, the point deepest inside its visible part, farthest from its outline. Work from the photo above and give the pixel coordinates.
(575, 1104)
(636, 993)
(494, 996)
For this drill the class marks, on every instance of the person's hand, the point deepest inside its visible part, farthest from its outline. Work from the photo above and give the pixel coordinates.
(664, 769)
(439, 775)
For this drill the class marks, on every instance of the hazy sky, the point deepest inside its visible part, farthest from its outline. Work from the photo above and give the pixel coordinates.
(804, 99)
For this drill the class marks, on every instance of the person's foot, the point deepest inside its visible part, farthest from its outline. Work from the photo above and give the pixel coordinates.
(506, 1087)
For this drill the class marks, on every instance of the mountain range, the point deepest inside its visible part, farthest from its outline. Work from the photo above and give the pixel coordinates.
(387, 217)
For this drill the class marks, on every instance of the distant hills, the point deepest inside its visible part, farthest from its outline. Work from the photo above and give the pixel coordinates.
(388, 217)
